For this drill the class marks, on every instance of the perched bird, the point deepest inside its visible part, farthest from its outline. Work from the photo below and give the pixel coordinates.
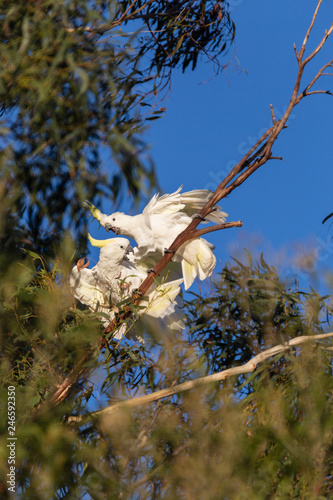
(161, 221)
(97, 290)
(114, 278)
(113, 268)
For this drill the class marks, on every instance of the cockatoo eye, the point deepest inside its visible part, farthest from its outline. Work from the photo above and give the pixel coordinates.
(114, 220)
(121, 246)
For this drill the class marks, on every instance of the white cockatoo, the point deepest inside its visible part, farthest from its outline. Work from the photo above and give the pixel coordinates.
(161, 221)
(114, 278)
(115, 269)
(100, 290)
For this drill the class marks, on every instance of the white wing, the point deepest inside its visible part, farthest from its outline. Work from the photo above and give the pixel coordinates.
(164, 205)
(194, 202)
(162, 297)
(197, 260)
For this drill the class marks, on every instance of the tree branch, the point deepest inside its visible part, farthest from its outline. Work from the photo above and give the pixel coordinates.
(302, 50)
(320, 46)
(249, 367)
(257, 156)
(317, 76)
(217, 227)
(328, 92)
(273, 114)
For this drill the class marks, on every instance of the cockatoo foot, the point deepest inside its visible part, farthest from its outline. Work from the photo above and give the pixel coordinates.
(198, 216)
(128, 251)
(81, 265)
(125, 286)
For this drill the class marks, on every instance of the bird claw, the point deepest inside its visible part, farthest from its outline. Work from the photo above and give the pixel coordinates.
(128, 251)
(125, 285)
(152, 271)
(166, 250)
(81, 265)
(198, 216)
(137, 292)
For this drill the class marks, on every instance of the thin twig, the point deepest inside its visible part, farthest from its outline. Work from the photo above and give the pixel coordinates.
(217, 227)
(273, 114)
(319, 74)
(328, 92)
(320, 46)
(313, 81)
(302, 50)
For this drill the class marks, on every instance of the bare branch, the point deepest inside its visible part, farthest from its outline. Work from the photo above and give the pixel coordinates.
(217, 227)
(320, 46)
(302, 50)
(328, 92)
(273, 114)
(296, 53)
(320, 73)
(249, 367)
(242, 163)
(65, 388)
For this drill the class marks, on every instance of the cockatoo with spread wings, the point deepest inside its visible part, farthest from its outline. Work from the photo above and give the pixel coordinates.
(161, 221)
(114, 278)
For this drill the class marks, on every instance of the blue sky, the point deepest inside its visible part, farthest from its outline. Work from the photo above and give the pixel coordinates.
(211, 123)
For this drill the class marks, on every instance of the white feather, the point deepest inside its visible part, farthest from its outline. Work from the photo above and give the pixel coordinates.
(161, 221)
(114, 278)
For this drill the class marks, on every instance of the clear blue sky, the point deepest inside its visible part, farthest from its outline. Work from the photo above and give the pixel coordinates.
(209, 126)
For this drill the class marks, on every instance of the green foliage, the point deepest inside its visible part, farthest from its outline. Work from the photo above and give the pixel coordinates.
(74, 94)
(265, 435)
(185, 30)
(76, 81)
(41, 331)
(250, 309)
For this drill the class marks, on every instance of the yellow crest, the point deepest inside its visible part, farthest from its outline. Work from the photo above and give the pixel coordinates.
(99, 243)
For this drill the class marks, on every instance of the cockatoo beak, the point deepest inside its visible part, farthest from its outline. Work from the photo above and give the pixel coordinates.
(93, 210)
(129, 250)
(114, 229)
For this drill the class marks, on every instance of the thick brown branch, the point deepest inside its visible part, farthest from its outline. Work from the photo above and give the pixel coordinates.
(64, 389)
(240, 165)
